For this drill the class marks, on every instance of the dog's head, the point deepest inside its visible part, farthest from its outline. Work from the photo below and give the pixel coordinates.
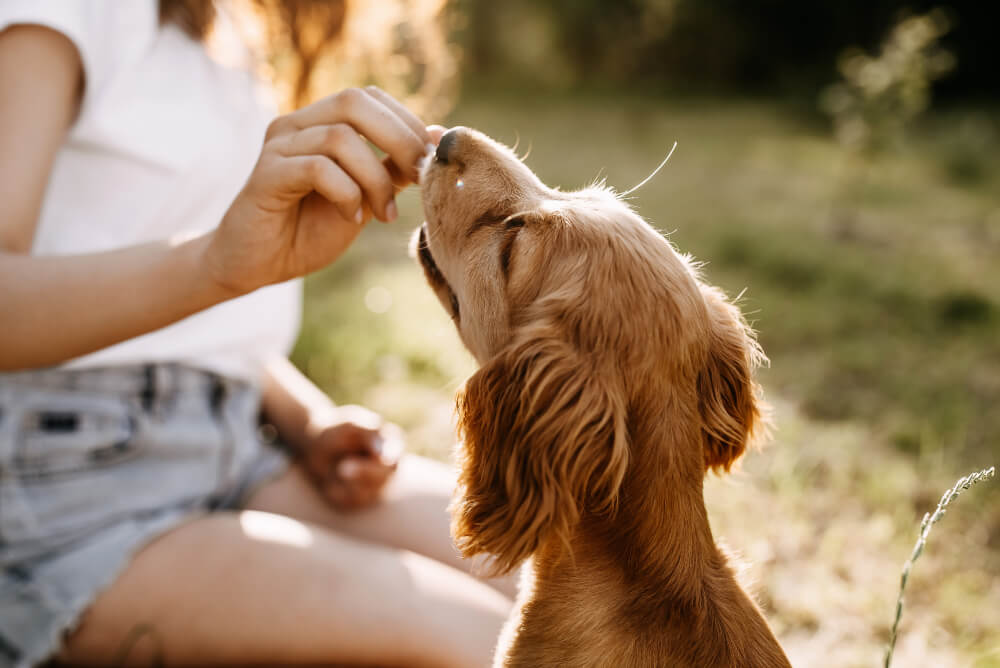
(589, 328)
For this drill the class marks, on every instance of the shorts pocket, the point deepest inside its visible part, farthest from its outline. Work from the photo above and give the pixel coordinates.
(61, 473)
(63, 435)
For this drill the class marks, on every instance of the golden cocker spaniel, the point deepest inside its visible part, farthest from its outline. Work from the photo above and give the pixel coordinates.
(612, 379)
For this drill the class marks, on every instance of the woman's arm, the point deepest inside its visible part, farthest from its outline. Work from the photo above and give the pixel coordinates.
(41, 80)
(293, 404)
(315, 180)
(55, 308)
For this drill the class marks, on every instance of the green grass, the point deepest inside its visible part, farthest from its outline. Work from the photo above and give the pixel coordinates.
(872, 282)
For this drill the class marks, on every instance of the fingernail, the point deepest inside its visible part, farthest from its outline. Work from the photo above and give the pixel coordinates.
(391, 451)
(348, 469)
(359, 217)
(391, 212)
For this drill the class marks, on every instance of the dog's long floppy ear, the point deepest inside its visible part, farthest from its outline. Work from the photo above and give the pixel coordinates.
(732, 413)
(544, 439)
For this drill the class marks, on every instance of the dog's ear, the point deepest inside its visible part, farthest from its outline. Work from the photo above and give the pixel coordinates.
(544, 440)
(728, 398)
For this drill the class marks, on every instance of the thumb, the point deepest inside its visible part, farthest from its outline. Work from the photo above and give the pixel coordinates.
(389, 444)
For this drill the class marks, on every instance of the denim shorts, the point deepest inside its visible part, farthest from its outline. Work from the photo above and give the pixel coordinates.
(94, 464)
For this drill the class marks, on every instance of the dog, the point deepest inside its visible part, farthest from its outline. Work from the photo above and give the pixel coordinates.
(611, 380)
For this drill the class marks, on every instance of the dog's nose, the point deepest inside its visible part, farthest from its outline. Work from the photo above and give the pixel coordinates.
(447, 144)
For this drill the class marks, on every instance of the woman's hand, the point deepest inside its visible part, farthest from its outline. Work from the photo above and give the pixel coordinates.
(352, 456)
(316, 181)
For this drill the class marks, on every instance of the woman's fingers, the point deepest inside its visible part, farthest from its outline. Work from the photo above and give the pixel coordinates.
(356, 492)
(435, 132)
(404, 114)
(343, 145)
(319, 173)
(370, 117)
(363, 472)
(334, 127)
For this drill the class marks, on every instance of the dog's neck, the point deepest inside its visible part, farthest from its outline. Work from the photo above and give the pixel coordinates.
(659, 534)
(661, 519)
(659, 565)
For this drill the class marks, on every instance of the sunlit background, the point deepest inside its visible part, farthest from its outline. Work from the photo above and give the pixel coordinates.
(839, 161)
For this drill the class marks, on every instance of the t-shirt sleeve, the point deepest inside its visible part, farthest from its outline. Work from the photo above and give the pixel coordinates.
(104, 32)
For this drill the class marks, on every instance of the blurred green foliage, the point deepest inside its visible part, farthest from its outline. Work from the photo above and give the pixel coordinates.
(879, 96)
(766, 46)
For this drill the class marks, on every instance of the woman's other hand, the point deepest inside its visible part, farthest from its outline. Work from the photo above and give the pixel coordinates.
(316, 181)
(352, 456)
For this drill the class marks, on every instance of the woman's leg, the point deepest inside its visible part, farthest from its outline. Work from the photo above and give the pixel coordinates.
(412, 515)
(260, 589)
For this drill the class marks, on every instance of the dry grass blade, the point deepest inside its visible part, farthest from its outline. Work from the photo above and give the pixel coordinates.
(925, 529)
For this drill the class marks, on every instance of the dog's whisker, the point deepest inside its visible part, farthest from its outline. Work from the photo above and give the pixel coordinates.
(599, 181)
(666, 234)
(527, 153)
(429, 233)
(648, 178)
(451, 384)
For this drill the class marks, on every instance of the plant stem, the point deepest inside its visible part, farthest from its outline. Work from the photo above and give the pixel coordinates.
(925, 529)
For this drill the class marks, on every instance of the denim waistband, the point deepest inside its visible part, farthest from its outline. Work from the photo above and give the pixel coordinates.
(148, 383)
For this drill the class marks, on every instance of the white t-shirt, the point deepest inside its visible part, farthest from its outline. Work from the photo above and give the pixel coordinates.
(165, 138)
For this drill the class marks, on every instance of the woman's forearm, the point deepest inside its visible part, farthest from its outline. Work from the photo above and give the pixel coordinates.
(292, 403)
(55, 308)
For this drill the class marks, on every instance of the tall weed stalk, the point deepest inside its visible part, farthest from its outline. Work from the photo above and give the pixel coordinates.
(925, 529)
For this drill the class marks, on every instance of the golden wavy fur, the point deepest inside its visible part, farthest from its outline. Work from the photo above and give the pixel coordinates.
(612, 379)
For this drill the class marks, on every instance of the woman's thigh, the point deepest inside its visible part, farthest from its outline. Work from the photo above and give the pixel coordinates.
(413, 514)
(255, 588)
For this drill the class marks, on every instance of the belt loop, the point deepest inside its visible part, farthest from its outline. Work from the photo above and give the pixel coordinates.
(217, 393)
(148, 393)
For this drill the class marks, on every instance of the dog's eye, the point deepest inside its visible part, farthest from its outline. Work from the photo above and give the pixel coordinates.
(513, 223)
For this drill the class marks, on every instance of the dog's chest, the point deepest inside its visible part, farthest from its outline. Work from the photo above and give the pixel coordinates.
(564, 621)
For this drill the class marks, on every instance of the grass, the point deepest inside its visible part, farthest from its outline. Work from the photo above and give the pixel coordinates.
(964, 483)
(872, 282)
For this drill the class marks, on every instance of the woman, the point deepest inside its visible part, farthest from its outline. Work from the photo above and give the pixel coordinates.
(153, 220)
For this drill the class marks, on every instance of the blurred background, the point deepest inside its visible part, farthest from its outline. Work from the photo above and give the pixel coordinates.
(838, 164)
